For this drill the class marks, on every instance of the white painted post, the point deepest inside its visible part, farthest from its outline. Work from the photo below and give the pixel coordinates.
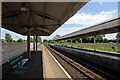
(34, 43)
(81, 42)
(94, 43)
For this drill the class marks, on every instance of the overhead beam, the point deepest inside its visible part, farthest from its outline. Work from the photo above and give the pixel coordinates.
(44, 30)
(41, 14)
(46, 16)
(28, 25)
(12, 13)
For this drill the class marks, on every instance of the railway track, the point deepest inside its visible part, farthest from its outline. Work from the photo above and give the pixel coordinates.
(73, 68)
(96, 69)
(104, 72)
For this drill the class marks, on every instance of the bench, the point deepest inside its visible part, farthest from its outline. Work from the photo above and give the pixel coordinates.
(15, 67)
(18, 61)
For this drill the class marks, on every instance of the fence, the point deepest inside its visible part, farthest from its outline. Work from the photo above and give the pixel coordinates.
(10, 50)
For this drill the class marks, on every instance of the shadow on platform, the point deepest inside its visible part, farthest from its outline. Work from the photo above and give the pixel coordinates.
(32, 69)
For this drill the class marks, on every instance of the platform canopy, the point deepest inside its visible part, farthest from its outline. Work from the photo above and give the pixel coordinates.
(43, 18)
(107, 27)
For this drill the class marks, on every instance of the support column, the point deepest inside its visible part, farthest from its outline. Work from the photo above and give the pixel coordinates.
(28, 44)
(81, 42)
(65, 41)
(94, 43)
(71, 42)
(36, 42)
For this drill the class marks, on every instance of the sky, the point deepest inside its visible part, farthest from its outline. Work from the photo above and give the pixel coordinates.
(92, 13)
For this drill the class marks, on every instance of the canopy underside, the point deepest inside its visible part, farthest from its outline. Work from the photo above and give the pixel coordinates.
(43, 18)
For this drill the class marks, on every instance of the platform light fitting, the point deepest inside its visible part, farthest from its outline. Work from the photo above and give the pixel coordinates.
(24, 7)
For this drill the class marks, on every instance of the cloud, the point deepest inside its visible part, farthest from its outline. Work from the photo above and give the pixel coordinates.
(111, 36)
(62, 31)
(86, 20)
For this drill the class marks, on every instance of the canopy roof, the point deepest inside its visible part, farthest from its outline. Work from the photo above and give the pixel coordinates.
(43, 18)
(107, 27)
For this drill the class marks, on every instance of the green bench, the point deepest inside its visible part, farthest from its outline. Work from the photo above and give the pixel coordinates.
(18, 61)
(15, 67)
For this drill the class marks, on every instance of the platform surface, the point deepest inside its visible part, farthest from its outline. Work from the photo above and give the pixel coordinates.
(34, 67)
(50, 67)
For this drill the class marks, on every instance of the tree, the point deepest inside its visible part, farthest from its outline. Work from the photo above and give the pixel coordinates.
(20, 40)
(45, 40)
(105, 40)
(76, 39)
(8, 37)
(99, 38)
(88, 39)
(14, 41)
(118, 37)
(39, 39)
(57, 36)
(31, 39)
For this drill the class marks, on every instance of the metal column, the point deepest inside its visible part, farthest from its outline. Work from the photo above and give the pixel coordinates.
(28, 43)
(36, 42)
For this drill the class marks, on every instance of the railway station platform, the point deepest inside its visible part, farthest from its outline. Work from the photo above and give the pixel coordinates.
(34, 69)
(51, 67)
(42, 65)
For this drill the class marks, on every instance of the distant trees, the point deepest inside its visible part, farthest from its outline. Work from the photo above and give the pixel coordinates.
(20, 40)
(56, 36)
(99, 38)
(31, 39)
(45, 40)
(105, 40)
(90, 39)
(48, 41)
(8, 37)
(118, 37)
(39, 39)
